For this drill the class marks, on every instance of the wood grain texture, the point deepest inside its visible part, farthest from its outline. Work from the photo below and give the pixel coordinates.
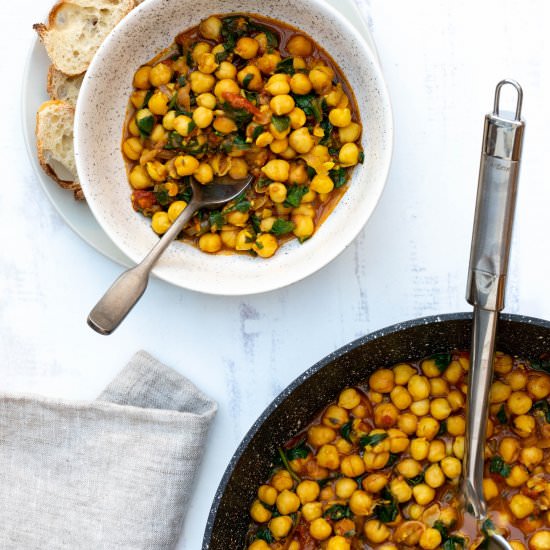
(442, 61)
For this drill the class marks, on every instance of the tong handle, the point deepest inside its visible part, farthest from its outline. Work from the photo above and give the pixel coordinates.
(491, 240)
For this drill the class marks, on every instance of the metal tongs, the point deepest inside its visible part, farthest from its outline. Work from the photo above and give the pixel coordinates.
(491, 239)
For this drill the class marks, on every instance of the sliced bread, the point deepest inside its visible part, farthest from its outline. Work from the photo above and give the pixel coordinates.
(54, 141)
(76, 29)
(63, 87)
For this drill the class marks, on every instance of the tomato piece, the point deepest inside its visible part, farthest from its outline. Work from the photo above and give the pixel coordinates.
(239, 102)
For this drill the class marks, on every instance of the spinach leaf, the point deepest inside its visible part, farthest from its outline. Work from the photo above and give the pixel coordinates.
(284, 460)
(281, 123)
(327, 128)
(299, 451)
(338, 176)
(442, 528)
(241, 204)
(442, 428)
(372, 440)
(145, 123)
(193, 147)
(263, 182)
(147, 97)
(361, 157)
(543, 406)
(240, 116)
(247, 79)
(498, 466)
(161, 194)
(542, 364)
(294, 195)
(255, 221)
(345, 431)
(337, 512)
(281, 227)
(216, 219)
(311, 172)
(238, 143)
(416, 480)
(387, 510)
(251, 96)
(264, 533)
(488, 527)
(454, 542)
(257, 131)
(272, 39)
(310, 104)
(442, 360)
(501, 415)
(286, 66)
(394, 457)
(175, 141)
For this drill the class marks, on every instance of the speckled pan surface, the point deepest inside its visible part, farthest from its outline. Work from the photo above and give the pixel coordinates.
(98, 130)
(302, 400)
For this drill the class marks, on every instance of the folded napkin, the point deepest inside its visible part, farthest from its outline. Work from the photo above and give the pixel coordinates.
(115, 473)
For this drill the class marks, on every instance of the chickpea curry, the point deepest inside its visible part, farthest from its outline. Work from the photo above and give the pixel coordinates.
(241, 95)
(380, 467)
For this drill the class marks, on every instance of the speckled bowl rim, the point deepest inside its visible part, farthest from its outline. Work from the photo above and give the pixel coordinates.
(292, 263)
(306, 375)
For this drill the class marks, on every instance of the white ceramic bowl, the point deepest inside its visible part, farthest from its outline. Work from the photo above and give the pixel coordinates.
(100, 115)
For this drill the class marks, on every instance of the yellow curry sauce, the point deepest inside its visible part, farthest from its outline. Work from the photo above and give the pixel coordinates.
(241, 94)
(380, 466)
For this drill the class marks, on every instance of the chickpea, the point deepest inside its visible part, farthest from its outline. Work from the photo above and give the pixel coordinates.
(539, 386)
(278, 84)
(160, 222)
(183, 125)
(376, 531)
(340, 117)
(349, 398)
(439, 387)
(175, 209)
(259, 513)
(500, 392)
(132, 148)
(420, 408)
(451, 466)
(202, 117)
(307, 491)
(402, 373)
(259, 544)
(238, 169)
(502, 363)
(267, 494)
(521, 506)
(456, 425)
(312, 511)
(199, 49)
(254, 82)
(279, 145)
(264, 139)
(440, 408)
(454, 372)
(524, 425)
(401, 490)
(210, 242)
(458, 447)
(519, 403)
(207, 63)
(423, 494)
(139, 178)
(490, 489)
(300, 84)
(168, 120)
(398, 441)
(385, 415)
(328, 457)
(265, 245)
(141, 78)
(434, 476)
(409, 468)
(419, 448)
(297, 118)
(400, 397)
(408, 423)
(456, 399)
(244, 240)
(345, 487)
(531, 456)
(376, 461)
(382, 381)
(320, 435)
(418, 387)
(229, 237)
(268, 62)
(302, 142)
(282, 480)
(437, 451)
(540, 540)
(349, 133)
(320, 80)
(185, 165)
(156, 170)
(360, 503)
(280, 526)
(211, 28)
(224, 125)
(160, 74)
(335, 416)
(349, 154)
(516, 379)
(430, 539)
(361, 411)
(282, 104)
(303, 226)
(133, 128)
(518, 476)
(509, 449)
(321, 183)
(287, 502)
(338, 543)
(237, 218)
(226, 85)
(320, 529)
(277, 170)
(427, 427)
(204, 173)
(299, 45)
(517, 545)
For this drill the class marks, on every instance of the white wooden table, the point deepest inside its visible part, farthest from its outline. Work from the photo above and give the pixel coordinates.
(442, 61)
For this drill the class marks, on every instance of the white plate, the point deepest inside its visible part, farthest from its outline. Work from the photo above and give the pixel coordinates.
(77, 214)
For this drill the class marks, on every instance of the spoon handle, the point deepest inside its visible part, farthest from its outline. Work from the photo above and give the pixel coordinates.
(491, 240)
(125, 292)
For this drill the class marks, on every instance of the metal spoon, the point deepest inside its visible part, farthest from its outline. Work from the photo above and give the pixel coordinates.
(125, 292)
(491, 239)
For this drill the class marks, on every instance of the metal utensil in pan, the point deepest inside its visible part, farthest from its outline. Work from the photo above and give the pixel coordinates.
(491, 239)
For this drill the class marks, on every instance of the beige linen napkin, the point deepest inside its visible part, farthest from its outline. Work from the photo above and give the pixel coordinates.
(115, 473)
